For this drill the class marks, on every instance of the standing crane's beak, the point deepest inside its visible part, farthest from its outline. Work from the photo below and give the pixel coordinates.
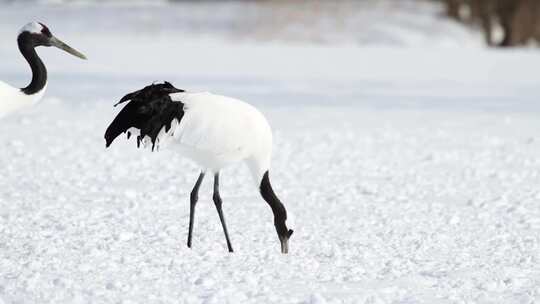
(61, 45)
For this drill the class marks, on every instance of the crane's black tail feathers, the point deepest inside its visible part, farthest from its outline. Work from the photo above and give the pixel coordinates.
(149, 110)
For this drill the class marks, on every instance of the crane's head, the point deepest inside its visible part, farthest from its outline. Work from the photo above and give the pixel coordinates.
(36, 34)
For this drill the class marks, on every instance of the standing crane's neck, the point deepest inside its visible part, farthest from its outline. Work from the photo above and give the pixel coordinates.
(39, 72)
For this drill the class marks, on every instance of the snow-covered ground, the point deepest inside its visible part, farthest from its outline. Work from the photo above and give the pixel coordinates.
(411, 171)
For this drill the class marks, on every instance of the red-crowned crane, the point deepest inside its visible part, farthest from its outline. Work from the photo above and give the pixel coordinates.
(32, 35)
(213, 130)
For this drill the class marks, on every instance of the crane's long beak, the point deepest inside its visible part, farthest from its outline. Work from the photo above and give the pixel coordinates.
(284, 246)
(61, 45)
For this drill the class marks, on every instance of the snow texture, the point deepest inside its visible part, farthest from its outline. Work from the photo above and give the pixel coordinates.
(411, 172)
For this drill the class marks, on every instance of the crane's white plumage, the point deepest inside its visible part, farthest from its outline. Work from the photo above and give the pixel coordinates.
(213, 130)
(217, 131)
(13, 100)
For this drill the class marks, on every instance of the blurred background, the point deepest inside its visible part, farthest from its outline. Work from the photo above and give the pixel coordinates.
(501, 22)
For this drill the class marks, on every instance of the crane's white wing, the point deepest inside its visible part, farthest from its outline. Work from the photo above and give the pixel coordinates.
(221, 125)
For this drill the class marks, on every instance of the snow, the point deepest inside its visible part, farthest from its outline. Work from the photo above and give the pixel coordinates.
(411, 172)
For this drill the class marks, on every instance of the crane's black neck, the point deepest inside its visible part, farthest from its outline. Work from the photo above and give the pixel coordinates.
(280, 213)
(39, 72)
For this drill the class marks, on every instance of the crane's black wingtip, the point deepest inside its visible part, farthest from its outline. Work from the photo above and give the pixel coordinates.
(149, 110)
(151, 90)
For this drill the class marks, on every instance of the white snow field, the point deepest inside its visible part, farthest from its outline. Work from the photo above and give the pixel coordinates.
(410, 165)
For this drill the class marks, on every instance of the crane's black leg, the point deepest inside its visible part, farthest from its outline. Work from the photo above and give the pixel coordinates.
(193, 201)
(218, 202)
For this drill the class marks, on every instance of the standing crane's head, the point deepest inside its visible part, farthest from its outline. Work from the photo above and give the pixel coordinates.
(36, 34)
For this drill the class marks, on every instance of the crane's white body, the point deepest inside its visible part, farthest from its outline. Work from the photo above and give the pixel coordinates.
(216, 131)
(13, 99)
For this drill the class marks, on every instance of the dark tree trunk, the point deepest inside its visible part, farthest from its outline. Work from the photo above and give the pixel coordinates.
(452, 8)
(519, 19)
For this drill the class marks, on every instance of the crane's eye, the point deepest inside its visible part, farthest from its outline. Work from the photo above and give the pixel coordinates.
(45, 30)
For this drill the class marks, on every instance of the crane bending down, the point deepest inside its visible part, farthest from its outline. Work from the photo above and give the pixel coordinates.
(32, 35)
(212, 130)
